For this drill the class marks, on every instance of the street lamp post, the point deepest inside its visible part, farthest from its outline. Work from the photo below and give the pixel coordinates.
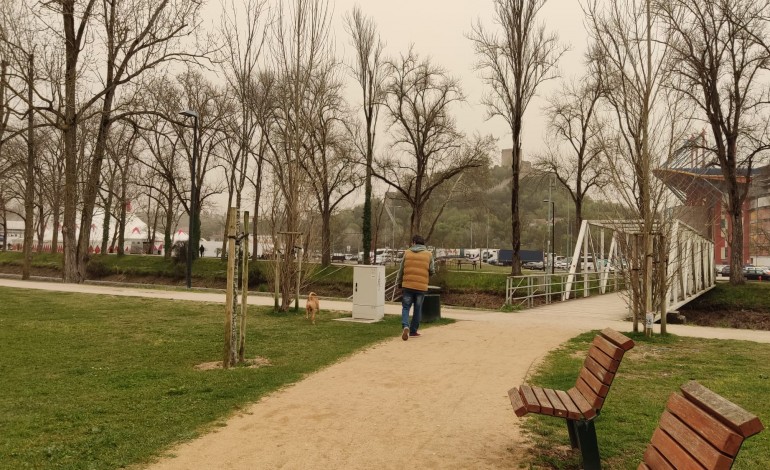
(553, 246)
(193, 197)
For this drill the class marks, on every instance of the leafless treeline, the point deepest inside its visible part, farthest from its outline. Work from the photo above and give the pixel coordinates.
(91, 93)
(91, 90)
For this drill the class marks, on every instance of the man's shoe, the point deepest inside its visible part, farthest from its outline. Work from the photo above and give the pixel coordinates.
(405, 334)
(415, 334)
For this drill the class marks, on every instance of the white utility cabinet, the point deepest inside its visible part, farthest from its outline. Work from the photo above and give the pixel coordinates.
(369, 292)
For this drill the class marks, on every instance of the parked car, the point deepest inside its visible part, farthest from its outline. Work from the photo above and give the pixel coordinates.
(725, 270)
(533, 265)
(757, 273)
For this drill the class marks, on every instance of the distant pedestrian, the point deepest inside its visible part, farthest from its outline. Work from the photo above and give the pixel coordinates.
(416, 268)
(201, 250)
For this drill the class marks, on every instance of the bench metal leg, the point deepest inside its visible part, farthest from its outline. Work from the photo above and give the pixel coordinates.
(571, 423)
(589, 447)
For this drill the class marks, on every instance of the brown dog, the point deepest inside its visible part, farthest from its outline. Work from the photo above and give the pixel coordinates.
(311, 307)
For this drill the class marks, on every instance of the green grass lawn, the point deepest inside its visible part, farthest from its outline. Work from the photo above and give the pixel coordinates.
(649, 373)
(105, 382)
(752, 295)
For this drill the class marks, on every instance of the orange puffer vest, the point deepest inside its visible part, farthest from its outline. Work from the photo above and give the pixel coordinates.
(416, 266)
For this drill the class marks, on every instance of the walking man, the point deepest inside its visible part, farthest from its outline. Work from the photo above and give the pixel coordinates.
(413, 274)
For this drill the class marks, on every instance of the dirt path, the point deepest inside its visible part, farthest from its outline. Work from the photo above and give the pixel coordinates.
(438, 401)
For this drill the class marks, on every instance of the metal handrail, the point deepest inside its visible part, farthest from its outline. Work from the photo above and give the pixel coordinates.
(551, 287)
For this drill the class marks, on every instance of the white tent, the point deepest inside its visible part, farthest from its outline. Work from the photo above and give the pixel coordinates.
(136, 234)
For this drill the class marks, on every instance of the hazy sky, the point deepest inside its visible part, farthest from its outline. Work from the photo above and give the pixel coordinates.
(438, 28)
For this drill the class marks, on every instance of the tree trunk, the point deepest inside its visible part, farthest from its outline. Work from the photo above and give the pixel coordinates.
(72, 49)
(167, 229)
(736, 246)
(326, 235)
(92, 185)
(122, 225)
(578, 215)
(29, 190)
(515, 217)
(366, 222)
(106, 221)
(41, 222)
(257, 196)
(55, 226)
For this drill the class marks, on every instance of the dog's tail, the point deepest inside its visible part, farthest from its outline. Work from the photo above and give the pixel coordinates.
(312, 294)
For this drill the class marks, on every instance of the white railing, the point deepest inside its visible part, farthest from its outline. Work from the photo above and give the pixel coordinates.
(536, 289)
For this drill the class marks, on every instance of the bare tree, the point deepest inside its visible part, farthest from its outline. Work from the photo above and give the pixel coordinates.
(331, 165)
(721, 51)
(213, 106)
(630, 50)
(244, 31)
(299, 46)
(369, 71)
(574, 157)
(263, 103)
(135, 37)
(419, 98)
(162, 140)
(18, 74)
(514, 65)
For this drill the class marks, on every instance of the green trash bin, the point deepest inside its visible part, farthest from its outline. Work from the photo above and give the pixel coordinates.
(431, 305)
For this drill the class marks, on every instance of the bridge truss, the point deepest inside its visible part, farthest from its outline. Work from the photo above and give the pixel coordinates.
(683, 261)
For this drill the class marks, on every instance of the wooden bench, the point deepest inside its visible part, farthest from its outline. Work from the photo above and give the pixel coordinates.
(583, 402)
(700, 429)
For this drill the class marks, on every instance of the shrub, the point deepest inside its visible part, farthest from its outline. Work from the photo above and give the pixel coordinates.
(98, 267)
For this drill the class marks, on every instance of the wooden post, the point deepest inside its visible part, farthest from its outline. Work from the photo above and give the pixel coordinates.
(299, 278)
(662, 273)
(635, 288)
(585, 261)
(244, 287)
(230, 284)
(277, 274)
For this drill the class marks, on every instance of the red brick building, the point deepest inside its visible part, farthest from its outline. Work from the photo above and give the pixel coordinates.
(698, 182)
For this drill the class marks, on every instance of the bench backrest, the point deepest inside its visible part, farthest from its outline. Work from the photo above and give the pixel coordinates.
(699, 430)
(600, 366)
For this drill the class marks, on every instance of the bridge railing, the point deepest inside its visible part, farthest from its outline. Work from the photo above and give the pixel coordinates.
(537, 289)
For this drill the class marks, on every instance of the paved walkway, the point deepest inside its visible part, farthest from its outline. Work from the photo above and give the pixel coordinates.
(434, 402)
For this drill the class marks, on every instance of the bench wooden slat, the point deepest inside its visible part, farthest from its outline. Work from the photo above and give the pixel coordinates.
(655, 460)
(719, 435)
(608, 348)
(620, 340)
(582, 404)
(693, 443)
(600, 372)
(559, 408)
(596, 385)
(588, 393)
(642, 466)
(604, 360)
(673, 452)
(517, 402)
(732, 415)
(530, 400)
(572, 410)
(545, 405)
